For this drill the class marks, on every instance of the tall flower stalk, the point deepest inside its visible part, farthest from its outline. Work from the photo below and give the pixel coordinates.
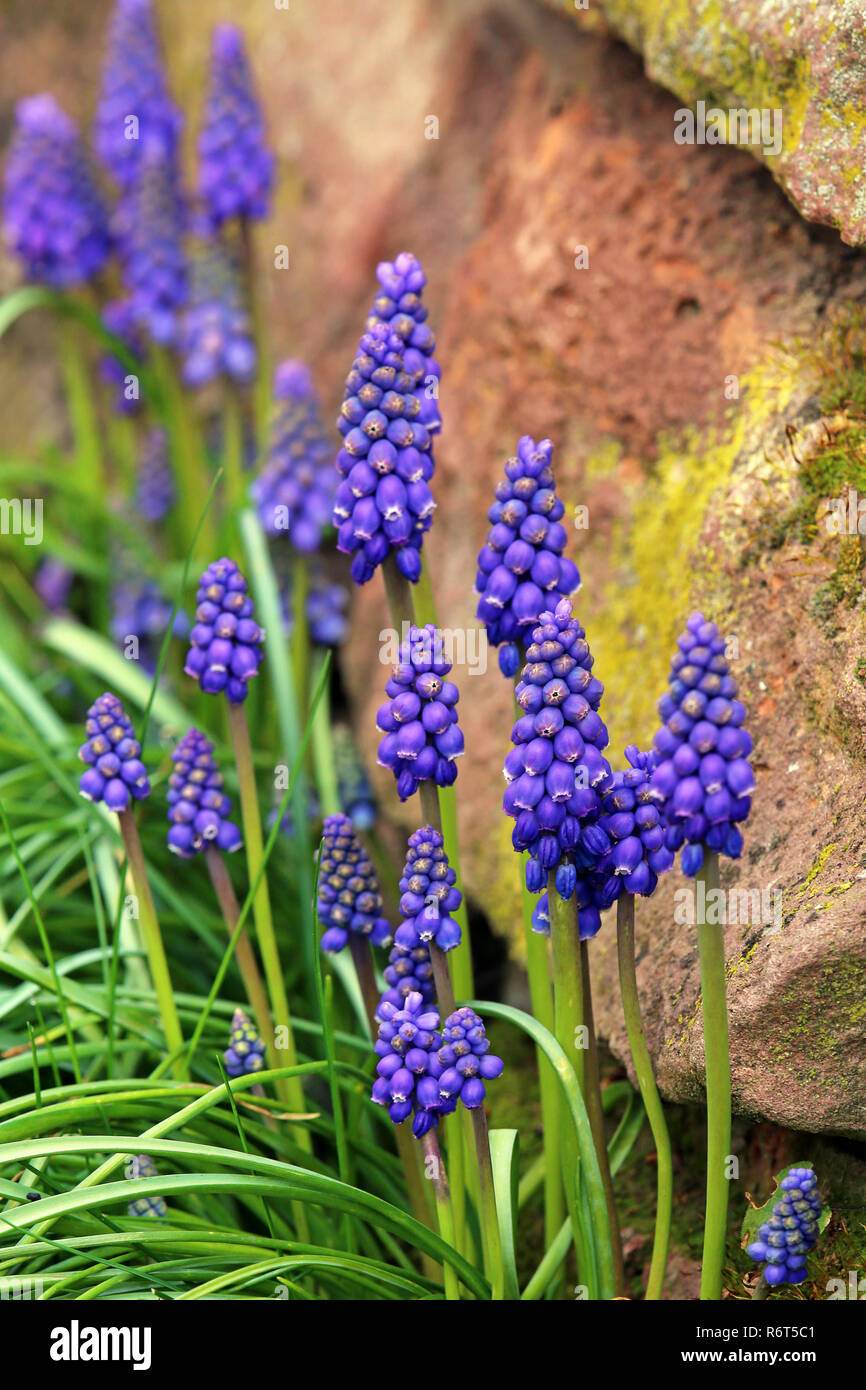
(225, 654)
(116, 776)
(705, 782)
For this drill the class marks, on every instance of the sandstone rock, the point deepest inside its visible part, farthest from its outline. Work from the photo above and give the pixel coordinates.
(806, 61)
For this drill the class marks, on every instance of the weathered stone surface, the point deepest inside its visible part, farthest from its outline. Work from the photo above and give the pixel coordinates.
(804, 58)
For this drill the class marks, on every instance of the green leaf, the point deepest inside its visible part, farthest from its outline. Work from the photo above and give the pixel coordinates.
(505, 1158)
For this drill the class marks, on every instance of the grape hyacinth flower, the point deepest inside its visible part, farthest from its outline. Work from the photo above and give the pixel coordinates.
(198, 808)
(422, 736)
(631, 819)
(429, 894)
(349, 895)
(785, 1240)
(119, 317)
(135, 114)
(54, 218)
(215, 334)
(326, 612)
(408, 1068)
(398, 304)
(143, 1166)
(383, 504)
(154, 264)
(236, 168)
(466, 1059)
(155, 491)
(225, 641)
(140, 610)
(521, 569)
(246, 1051)
(409, 972)
(702, 774)
(295, 494)
(52, 583)
(556, 772)
(356, 794)
(115, 773)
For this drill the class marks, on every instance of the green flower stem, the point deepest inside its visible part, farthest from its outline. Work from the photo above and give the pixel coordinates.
(322, 746)
(541, 994)
(567, 977)
(362, 957)
(262, 384)
(436, 1172)
(762, 1288)
(649, 1094)
(567, 1020)
(292, 1089)
(462, 1142)
(187, 454)
(401, 606)
(711, 947)
(153, 942)
(596, 1119)
(83, 416)
(300, 640)
(244, 954)
(493, 1266)
(233, 451)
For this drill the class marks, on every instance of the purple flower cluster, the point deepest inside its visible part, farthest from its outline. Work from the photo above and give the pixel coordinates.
(53, 582)
(466, 1059)
(154, 263)
(424, 1072)
(356, 794)
(326, 612)
(295, 494)
(226, 641)
(155, 492)
(119, 317)
(429, 894)
(631, 819)
(246, 1051)
(521, 569)
(702, 773)
(198, 808)
(556, 772)
(408, 1065)
(419, 721)
(409, 972)
(215, 335)
(135, 115)
(384, 503)
(115, 773)
(349, 896)
(236, 168)
(143, 1166)
(398, 304)
(785, 1240)
(140, 610)
(53, 216)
